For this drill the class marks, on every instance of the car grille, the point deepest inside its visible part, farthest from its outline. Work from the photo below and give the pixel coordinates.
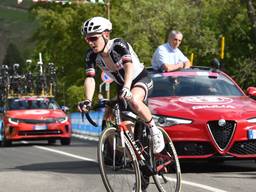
(244, 147)
(35, 121)
(193, 148)
(222, 134)
(40, 132)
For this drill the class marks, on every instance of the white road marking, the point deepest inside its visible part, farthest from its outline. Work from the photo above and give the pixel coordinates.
(206, 187)
(81, 136)
(65, 153)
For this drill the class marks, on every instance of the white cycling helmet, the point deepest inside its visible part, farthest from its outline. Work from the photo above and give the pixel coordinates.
(96, 25)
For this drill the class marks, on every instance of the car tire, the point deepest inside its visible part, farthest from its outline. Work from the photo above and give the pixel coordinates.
(66, 141)
(51, 141)
(5, 142)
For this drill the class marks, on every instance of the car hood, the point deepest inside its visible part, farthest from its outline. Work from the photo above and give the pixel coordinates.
(204, 107)
(35, 114)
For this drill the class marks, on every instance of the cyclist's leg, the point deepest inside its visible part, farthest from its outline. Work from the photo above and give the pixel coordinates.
(140, 91)
(141, 138)
(166, 163)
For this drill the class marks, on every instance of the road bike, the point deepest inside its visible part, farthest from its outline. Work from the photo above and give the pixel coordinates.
(126, 160)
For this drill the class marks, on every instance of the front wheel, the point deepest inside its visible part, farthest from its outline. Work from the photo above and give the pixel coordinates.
(119, 167)
(65, 141)
(167, 166)
(5, 142)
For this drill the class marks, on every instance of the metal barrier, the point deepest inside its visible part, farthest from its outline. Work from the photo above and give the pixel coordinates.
(83, 127)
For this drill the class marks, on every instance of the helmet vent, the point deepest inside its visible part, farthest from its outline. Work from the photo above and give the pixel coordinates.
(96, 27)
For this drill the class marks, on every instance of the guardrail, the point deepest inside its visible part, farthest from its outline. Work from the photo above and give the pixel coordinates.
(80, 126)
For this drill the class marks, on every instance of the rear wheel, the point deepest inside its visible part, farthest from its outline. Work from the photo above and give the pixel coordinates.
(118, 165)
(166, 163)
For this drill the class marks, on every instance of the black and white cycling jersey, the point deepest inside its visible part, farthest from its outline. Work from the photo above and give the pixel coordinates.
(120, 52)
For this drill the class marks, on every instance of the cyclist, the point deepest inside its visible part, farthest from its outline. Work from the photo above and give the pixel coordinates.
(118, 60)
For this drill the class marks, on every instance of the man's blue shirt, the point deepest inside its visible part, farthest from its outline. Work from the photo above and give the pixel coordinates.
(165, 54)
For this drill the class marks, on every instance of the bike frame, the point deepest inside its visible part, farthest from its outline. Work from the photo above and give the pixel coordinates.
(125, 132)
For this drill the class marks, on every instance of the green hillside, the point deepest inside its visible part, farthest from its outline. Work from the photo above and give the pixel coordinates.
(16, 26)
(13, 3)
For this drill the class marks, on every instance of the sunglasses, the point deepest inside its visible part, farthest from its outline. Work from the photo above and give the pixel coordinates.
(92, 39)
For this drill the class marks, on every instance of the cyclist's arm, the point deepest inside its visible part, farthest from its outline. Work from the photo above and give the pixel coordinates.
(89, 88)
(89, 82)
(128, 68)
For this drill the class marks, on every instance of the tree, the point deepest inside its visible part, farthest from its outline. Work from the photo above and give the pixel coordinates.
(251, 7)
(145, 25)
(13, 56)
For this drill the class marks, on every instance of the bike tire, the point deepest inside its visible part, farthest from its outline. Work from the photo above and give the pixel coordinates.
(167, 166)
(119, 167)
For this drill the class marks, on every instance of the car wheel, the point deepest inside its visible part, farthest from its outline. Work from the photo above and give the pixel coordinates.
(5, 142)
(51, 141)
(65, 141)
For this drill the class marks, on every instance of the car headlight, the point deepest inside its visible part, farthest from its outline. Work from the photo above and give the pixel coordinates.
(62, 119)
(164, 121)
(13, 121)
(252, 120)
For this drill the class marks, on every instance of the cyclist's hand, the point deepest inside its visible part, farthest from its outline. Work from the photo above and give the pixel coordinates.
(125, 94)
(84, 106)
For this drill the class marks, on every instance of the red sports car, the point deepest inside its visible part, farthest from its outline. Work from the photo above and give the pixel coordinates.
(206, 113)
(34, 118)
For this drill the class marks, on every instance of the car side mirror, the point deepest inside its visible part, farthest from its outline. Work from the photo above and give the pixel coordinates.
(251, 91)
(65, 108)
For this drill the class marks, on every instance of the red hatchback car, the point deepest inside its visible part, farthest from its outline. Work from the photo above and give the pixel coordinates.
(206, 113)
(34, 118)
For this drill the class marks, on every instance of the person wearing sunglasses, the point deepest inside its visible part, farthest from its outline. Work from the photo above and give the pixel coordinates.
(168, 56)
(118, 60)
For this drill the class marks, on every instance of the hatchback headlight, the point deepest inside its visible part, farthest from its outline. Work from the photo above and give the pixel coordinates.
(62, 119)
(164, 121)
(14, 121)
(252, 120)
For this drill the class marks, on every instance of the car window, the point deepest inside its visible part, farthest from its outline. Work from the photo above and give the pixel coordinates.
(193, 86)
(21, 104)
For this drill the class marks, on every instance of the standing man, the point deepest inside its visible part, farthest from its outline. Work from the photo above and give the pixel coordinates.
(168, 57)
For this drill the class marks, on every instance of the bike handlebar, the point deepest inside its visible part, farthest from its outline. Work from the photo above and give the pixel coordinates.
(107, 102)
(88, 117)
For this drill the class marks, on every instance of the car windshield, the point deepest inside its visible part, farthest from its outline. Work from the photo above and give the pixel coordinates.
(193, 86)
(40, 103)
